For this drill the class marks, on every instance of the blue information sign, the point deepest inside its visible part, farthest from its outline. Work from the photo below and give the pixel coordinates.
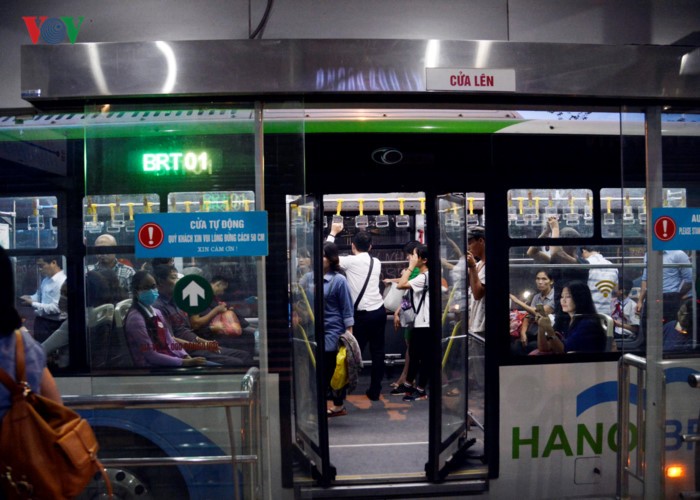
(675, 228)
(201, 234)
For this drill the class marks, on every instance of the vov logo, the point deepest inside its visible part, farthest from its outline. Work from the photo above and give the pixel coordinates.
(53, 30)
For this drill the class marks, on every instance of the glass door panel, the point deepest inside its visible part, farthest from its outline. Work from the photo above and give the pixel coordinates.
(309, 422)
(454, 220)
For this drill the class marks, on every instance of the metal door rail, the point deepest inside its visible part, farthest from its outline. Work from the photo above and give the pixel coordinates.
(247, 397)
(624, 471)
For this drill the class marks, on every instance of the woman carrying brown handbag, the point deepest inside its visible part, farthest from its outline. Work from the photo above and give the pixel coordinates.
(37, 375)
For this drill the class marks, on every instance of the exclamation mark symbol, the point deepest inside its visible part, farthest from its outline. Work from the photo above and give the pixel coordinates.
(664, 223)
(150, 234)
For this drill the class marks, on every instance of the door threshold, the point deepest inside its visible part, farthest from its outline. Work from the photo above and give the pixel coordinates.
(395, 489)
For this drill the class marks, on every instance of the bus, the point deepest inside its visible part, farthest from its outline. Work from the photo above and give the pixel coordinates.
(430, 168)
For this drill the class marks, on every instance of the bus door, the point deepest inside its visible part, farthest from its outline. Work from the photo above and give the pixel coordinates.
(422, 438)
(310, 425)
(451, 383)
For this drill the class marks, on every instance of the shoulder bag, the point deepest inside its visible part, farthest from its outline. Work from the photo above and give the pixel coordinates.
(364, 287)
(48, 451)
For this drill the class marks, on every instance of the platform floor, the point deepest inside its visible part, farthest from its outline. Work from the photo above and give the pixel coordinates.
(388, 437)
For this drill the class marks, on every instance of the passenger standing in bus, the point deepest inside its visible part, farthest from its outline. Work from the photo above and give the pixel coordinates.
(601, 281)
(58, 340)
(476, 275)
(363, 274)
(584, 333)
(45, 300)
(677, 282)
(338, 318)
(476, 264)
(303, 262)
(403, 317)
(109, 261)
(148, 334)
(421, 345)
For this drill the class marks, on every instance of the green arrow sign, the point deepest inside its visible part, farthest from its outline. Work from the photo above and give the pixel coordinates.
(193, 294)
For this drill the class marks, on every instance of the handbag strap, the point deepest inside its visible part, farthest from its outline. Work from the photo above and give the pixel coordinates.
(422, 297)
(364, 287)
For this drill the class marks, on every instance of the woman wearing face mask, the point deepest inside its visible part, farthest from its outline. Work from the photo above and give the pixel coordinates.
(148, 334)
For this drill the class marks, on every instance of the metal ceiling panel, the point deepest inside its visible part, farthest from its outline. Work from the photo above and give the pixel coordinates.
(262, 67)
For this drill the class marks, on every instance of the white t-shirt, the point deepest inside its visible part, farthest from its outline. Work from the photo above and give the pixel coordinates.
(477, 308)
(601, 283)
(419, 287)
(356, 270)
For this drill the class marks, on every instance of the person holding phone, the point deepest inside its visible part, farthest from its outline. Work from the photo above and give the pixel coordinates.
(542, 303)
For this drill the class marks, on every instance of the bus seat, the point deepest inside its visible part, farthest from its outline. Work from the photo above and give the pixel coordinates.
(607, 322)
(99, 323)
(100, 315)
(632, 344)
(119, 354)
(120, 312)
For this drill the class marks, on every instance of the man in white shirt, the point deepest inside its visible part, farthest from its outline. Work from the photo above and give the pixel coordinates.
(601, 281)
(370, 315)
(47, 314)
(476, 265)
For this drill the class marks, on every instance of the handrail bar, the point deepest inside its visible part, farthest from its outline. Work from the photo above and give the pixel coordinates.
(124, 401)
(166, 461)
(477, 337)
(624, 471)
(246, 398)
(635, 361)
(635, 265)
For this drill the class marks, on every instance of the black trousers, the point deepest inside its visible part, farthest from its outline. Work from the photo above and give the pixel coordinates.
(369, 329)
(44, 327)
(419, 357)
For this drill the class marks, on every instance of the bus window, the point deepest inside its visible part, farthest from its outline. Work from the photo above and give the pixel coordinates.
(42, 297)
(28, 222)
(529, 210)
(624, 211)
(109, 297)
(608, 281)
(219, 201)
(114, 214)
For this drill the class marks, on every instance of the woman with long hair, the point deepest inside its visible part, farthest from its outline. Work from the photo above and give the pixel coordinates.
(584, 331)
(148, 334)
(338, 315)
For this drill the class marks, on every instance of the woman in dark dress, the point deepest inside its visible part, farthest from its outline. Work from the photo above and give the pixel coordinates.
(584, 333)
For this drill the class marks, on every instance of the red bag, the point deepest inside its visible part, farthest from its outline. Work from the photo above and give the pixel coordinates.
(226, 323)
(516, 321)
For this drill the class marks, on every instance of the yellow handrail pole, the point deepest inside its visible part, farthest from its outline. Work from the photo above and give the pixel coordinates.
(449, 344)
